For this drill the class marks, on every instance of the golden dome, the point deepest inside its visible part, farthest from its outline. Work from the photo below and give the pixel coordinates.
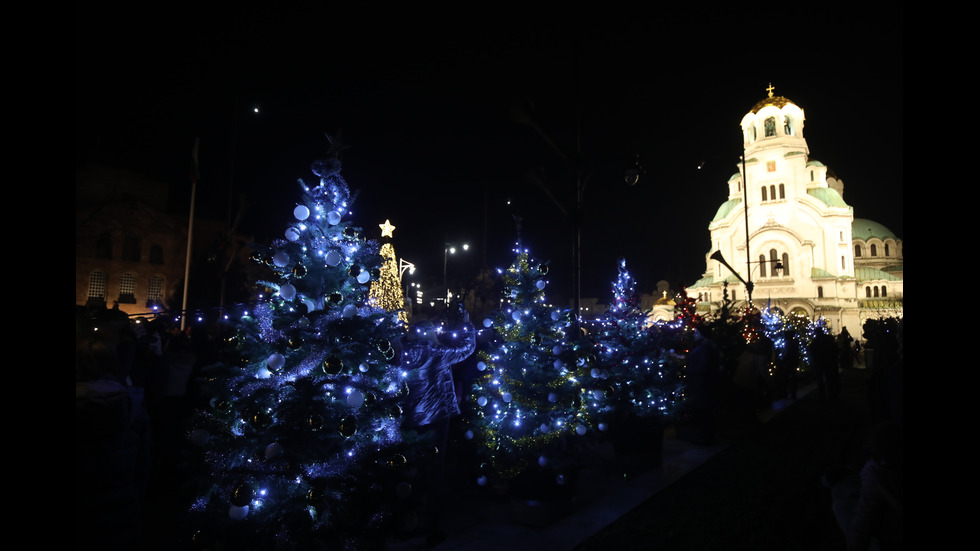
(777, 101)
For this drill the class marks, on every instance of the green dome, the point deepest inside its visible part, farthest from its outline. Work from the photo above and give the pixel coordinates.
(866, 229)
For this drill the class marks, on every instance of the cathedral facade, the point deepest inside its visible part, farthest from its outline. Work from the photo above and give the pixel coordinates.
(786, 239)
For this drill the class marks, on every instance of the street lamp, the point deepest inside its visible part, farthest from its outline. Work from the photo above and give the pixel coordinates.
(450, 248)
(402, 266)
(776, 267)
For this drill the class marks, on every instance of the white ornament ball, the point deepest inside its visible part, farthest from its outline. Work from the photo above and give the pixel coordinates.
(363, 368)
(507, 397)
(469, 435)
(555, 315)
(487, 322)
(598, 394)
(333, 218)
(333, 258)
(482, 401)
(559, 364)
(481, 365)
(310, 305)
(280, 259)
(273, 450)
(481, 480)
(301, 212)
(603, 427)
(542, 460)
(516, 315)
(237, 513)
(556, 350)
(350, 311)
(292, 234)
(552, 397)
(540, 284)
(276, 361)
(580, 430)
(287, 292)
(543, 428)
(355, 398)
(363, 277)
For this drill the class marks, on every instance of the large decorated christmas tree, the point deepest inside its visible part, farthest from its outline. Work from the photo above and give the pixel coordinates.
(302, 440)
(528, 407)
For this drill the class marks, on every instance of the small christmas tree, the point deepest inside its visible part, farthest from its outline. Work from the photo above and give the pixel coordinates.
(643, 374)
(527, 404)
(302, 442)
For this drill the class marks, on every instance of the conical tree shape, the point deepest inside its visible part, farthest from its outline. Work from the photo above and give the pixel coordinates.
(302, 442)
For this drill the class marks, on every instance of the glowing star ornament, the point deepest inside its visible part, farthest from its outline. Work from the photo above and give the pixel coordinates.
(386, 229)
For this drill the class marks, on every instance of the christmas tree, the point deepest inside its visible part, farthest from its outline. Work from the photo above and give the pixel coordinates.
(302, 440)
(386, 291)
(640, 370)
(527, 405)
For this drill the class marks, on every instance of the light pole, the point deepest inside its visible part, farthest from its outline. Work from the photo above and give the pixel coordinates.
(402, 266)
(448, 249)
(776, 267)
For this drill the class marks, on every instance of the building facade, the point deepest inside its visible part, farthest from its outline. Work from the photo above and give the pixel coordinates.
(786, 235)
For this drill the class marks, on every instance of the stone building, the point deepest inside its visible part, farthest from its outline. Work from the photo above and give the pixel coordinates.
(806, 253)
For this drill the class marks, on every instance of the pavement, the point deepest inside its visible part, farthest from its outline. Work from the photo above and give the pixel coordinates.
(616, 501)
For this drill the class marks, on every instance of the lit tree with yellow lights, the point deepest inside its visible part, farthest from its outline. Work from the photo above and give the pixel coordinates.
(528, 411)
(302, 441)
(386, 291)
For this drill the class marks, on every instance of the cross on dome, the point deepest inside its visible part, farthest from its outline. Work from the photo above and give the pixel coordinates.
(770, 89)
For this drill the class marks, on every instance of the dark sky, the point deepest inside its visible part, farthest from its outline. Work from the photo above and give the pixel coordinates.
(426, 102)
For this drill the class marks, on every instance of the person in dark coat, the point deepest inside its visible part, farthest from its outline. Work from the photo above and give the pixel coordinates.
(429, 362)
(704, 380)
(825, 365)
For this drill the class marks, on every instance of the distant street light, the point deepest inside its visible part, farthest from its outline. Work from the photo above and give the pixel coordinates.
(450, 248)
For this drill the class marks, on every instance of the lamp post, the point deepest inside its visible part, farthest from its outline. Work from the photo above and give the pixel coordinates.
(402, 266)
(448, 249)
(776, 266)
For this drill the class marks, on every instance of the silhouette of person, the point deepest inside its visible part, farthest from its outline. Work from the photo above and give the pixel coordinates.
(844, 341)
(704, 374)
(432, 399)
(752, 380)
(869, 506)
(824, 362)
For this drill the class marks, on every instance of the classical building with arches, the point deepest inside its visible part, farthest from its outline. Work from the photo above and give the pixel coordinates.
(807, 254)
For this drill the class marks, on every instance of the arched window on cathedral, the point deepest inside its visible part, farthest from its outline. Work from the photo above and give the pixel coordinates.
(131, 247)
(876, 291)
(770, 126)
(884, 291)
(857, 251)
(773, 259)
(874, 250)
(762, 265)
(752, 133)
(787, 125)
(785, 264)
(887, 250)
(782, 191)
(867, 291)
(772, 192)
(819, 291)
(765, 196)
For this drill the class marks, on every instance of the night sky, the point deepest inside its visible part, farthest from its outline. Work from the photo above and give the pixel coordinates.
(427, 103)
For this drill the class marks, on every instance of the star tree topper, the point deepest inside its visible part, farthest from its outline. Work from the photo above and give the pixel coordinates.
(386, 229)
